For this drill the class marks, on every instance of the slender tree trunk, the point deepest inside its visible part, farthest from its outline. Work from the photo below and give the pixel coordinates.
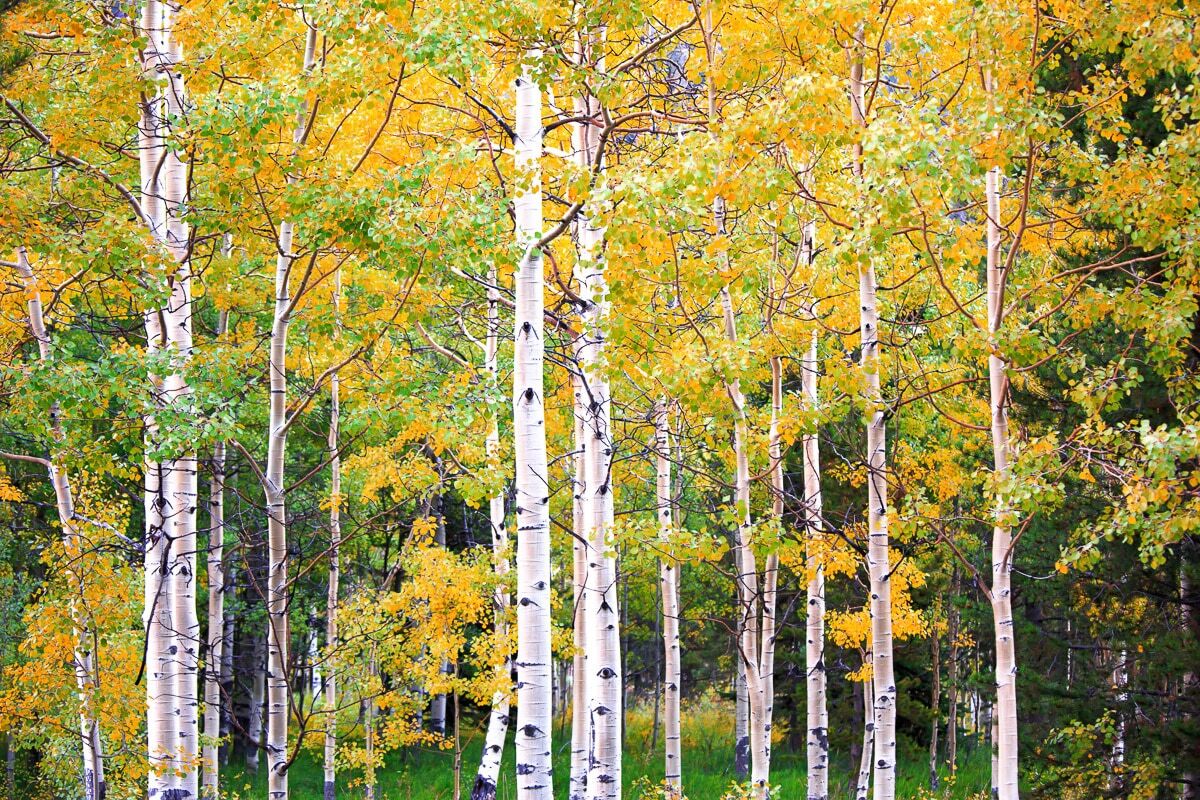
(335, 546)
(952, 677)
(1190, 624)
(497, 730)
(369, 778)
(278, 678)
(581, 729)
(669, 581)
(534, 711)
(878, 548)
(214, 656)
(86, 678)
(817, 772)
(1002, 540)
(258, 688)
(741, 717)
(227, 675)
(603, 645)
(935, 705)
(862, 785)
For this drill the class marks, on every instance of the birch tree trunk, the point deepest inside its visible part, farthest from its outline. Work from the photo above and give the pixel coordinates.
(1002, 540)
(534, 686)
(258, 690)
(817, 771)
(878, 549)
(935, 704)
(603, 643)
(86, 678)
(862, 786)
(278, 679)
(497, 730)
(669, 581)
(741, 715)
(581, 729)
(172, 627)
(952, 678)
(335, 545)
(215, 647)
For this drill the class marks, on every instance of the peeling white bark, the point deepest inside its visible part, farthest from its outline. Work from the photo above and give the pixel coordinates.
(335, 534)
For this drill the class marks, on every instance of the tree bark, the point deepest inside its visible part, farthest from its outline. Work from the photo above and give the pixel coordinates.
(603, 644)
(215, 646)
(669, 581)
(581, 729)
(862, 786)
(878, 548)
(86, 677)
(335, 546)
(1002, 539)
(278, 678)
(497, 730)
(534, 688)
(817, 772)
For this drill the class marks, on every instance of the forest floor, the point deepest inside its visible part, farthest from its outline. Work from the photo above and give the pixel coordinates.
(424, 774)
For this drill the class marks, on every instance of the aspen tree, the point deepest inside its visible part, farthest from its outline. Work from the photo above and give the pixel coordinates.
(498, 719)
(335, 545)
(534, 688)
(878, 549)
(581, 729)
(602, 645)
(669, 581)
(752, 633)
(278, 679)
(215, 646)
(84, 658)
(817, 711)
(172, 627)
(1005, 713)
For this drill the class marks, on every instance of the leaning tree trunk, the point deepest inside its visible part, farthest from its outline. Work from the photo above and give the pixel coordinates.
(1002, 539)
(878, 548)
(497, 730)
(817, 771)
(86, 678)
(602, 625)
(335, 546)
(278, 679)
(534, 686)
(669, 581)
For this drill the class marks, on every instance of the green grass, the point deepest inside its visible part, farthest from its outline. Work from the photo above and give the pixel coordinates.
(428, 775)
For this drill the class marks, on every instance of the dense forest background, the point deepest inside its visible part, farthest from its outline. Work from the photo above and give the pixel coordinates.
(806, 394)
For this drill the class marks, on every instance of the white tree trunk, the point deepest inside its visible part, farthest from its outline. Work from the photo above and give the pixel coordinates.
(278, 679)
(534, 687)
(1002, 540)
(669, 581)
(214, 651)
(862, 786)
(878, 546)
(335, 534)
(581, 729)
(817, 707)
(255, 721)
(497, 730)
(86, 678)
(754, 664)
(603, 644)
